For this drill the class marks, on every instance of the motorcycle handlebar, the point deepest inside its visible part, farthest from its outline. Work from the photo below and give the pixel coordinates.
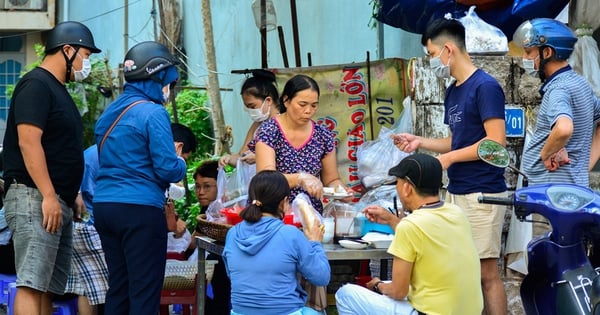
(496, 200)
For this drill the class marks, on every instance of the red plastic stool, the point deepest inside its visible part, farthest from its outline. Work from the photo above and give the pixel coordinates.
(185, 297)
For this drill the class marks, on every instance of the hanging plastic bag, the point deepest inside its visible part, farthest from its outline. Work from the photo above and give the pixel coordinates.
(481, 37)
(236, 191)
(584, 12)
(585, 58)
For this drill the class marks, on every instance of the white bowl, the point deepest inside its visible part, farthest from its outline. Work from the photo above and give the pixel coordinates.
(352, 245)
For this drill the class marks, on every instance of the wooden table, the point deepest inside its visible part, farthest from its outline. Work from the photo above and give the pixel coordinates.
(333, 252)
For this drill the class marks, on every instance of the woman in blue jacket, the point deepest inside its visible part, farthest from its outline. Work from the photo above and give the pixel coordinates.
(137, 162)
(263, 257)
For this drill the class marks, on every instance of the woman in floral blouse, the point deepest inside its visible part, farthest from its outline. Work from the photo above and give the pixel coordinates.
(293, 144)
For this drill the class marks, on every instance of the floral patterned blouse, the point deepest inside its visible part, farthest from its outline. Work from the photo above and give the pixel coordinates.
(289, 159)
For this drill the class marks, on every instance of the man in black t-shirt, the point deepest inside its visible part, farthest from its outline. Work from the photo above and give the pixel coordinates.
(43, 167)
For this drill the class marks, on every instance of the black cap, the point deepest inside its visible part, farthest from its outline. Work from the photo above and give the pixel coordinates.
(422, 170)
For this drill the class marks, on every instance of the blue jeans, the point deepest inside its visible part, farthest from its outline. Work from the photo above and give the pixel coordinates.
(134, 239)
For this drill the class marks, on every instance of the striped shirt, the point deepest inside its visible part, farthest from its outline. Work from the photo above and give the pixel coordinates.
(565, 94)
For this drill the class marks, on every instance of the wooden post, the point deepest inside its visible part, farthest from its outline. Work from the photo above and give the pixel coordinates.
(263, 33)
(282, 45)
(295, 33)
(222, 141)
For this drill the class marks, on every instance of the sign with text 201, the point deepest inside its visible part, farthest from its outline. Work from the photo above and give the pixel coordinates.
(514, 118)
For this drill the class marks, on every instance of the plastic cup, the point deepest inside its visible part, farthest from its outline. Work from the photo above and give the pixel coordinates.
(329, 224)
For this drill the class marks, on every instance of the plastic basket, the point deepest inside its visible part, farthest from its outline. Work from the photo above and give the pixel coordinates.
(213, 230)
(181, 275)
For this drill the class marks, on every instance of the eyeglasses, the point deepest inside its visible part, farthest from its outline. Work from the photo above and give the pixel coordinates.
(204, 187)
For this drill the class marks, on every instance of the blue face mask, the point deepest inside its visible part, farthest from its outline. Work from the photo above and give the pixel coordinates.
(439, 69)
(529, 66)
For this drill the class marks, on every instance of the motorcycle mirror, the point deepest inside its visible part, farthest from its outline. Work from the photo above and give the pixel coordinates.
(493, 153)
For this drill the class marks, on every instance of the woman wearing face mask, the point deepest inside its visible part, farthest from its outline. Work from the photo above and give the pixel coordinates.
(137, 161)
(260, 97)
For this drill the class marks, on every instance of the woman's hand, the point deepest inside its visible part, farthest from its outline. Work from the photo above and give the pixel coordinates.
(224, 160)
(248, 157)
(311, 184)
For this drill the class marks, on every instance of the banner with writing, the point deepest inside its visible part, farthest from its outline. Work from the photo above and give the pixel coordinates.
(356, 100)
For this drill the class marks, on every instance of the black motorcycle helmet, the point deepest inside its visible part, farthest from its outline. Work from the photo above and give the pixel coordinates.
(70, 33)
(145, 59)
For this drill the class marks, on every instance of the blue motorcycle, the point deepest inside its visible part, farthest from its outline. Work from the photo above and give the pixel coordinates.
(561, 279)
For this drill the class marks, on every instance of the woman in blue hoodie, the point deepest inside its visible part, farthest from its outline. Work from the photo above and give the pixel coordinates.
(263, 256)
(137, 161)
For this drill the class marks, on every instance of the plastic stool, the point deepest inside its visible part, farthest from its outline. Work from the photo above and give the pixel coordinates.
(5, 280)
(68, 307)
(62, 307)
(177, 309)
(12, 292)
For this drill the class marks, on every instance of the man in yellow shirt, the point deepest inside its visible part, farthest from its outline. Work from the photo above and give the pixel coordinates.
(436, 267)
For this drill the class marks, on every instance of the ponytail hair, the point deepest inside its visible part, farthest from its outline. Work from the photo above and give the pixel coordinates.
(266, 191)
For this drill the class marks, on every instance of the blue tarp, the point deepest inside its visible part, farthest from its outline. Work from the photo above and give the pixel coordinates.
(414, 15)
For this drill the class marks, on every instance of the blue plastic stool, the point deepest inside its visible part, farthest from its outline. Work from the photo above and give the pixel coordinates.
(12, 292)
(177, 309)
(68, 307)
(5, 280)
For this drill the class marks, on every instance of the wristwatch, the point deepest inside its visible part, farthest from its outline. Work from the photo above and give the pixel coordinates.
(376, 287)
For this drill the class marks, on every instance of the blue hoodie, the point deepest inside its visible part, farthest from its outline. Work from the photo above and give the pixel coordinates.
(263, 260)
(138, 160)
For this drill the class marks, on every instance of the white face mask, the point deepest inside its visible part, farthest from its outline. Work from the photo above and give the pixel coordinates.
(529, 66)
(166, 94)
(439, 69)
(256, 114)
(85, 71)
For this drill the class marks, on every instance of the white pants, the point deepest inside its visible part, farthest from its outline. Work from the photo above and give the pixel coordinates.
(352, 299)
(303, 311)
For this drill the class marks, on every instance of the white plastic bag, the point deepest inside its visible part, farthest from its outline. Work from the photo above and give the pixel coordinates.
(213, 212)
(481, 37)
(303, 210)
(178, 244)
(236, 189)
(585, 58)
(375, 158)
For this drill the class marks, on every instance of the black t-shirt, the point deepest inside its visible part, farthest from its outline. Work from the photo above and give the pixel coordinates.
(40, 99)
